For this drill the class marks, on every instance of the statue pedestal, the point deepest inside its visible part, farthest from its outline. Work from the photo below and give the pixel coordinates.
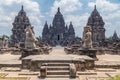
(89, 52)
(27, 52)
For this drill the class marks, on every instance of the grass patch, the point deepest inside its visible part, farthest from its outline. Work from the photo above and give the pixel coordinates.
(2, 75)
(115, 78)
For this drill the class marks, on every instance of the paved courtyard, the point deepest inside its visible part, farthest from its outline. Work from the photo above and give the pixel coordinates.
(108, 59)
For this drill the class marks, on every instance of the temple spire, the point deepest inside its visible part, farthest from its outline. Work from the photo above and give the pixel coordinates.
(95, 7)
(45, 29)
(115, 36)
(70, 22)
(22, 12)
(22, 8)
(66, 27)
(58, 19)
(46, 23)
(71, 29)
(58, 9)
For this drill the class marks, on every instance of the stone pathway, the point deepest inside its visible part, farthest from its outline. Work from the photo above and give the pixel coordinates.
(58, 50)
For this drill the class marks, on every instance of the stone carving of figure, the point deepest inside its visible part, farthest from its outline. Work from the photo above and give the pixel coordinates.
(31, 40)
(87, 41)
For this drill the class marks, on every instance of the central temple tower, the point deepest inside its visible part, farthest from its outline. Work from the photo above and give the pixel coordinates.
(58, 33)
(58, 27)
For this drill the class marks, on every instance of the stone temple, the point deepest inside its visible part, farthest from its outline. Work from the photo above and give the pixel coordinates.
(97, 24)
(58, 33)
(21, 22)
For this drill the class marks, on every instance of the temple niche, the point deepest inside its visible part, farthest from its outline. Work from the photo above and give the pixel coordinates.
(21, 22)
(97, 25)
(58, 33)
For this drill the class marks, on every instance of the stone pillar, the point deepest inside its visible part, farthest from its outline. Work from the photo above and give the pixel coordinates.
(43, 71)
(72, 71)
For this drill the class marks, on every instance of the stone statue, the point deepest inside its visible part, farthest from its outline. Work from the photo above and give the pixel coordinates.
(87, 41)
(30, 41)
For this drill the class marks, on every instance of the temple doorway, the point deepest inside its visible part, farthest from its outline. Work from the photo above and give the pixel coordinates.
(58, 37)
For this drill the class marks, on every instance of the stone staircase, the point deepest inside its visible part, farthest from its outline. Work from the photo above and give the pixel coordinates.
(58, 70)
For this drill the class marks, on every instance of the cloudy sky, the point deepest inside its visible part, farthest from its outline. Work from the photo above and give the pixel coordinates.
(76, 11)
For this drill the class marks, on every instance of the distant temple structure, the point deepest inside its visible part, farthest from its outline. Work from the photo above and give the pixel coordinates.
(115, 37)
(58, 33)
(97, 24)
(21, 22)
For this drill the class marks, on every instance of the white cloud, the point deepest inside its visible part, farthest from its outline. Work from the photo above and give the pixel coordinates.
(10, 8)
(104, 5)
(67, 6)
(111, 15)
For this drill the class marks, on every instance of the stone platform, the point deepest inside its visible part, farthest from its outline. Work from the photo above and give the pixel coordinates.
(58, 54)
(9, 60)
(56, 58)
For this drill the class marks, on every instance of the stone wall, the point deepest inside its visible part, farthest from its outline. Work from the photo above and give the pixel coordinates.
(11, 51)
(10, 65)
(35, 65)
(108, 51)
(99, 51)
(108, 66)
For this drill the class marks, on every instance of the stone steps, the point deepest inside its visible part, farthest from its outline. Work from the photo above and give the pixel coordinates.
(58, 76)
(60, 72)
(58, 69)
